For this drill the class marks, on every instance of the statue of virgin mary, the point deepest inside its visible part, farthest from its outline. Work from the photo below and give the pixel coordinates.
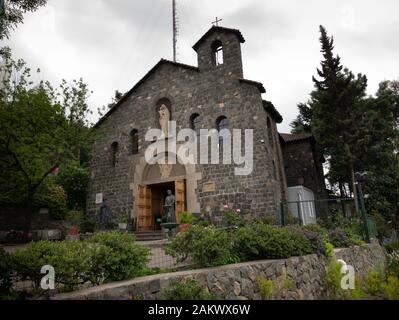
(164, 117)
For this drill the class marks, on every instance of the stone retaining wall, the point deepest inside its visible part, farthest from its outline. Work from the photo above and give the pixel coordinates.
(239, 281)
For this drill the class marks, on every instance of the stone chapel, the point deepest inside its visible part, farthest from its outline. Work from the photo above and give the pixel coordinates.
(214, 94)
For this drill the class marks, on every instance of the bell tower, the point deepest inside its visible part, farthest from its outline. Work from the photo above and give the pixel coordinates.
(219, 51)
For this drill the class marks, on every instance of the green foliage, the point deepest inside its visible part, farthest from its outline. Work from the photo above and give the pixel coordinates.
(188, 289)
(88, 224)
(187, 217)
(393, 263)
(340, 239)
(266, 287)
(375, 281)
(207, 246)
(6, 267)
(329, 249)
(259, 241)
(41, 128)
(52, 197)
(314, 227)
(74, 179)
(333, 278)
(391, 288)
(123, 260)
(272, 288)
(315, 236)
(11, 14)
(231, 218)
(105, 257)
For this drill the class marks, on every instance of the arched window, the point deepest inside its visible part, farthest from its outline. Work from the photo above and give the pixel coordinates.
(270, 132)
(114, 153)
(222, 123)
(195, 122)
(134, 137)
(217, 52)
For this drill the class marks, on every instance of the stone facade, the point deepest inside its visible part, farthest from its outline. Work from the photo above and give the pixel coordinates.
(239, 281)
(210, 91)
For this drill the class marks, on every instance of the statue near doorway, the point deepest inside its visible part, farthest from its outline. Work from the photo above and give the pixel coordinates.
(170, 207)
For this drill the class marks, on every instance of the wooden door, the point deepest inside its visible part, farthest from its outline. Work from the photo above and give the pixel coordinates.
(144, 209)
(180, 196)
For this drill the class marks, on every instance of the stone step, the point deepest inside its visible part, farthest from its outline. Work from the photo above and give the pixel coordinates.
(149, 235)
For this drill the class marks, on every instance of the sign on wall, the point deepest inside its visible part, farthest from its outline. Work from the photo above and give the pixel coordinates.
(99, 198)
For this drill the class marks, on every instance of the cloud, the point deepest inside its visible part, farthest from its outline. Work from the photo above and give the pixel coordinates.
(112, 44)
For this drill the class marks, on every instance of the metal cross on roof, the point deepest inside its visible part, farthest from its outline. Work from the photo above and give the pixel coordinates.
(216, 22)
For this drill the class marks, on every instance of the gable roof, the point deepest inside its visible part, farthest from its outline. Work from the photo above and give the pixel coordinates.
(269, 107)
(294, 137)
(147, 75)
(217, 28)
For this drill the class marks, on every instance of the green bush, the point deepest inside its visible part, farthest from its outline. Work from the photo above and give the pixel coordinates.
(6, 267)
(393, 263)
(314, 227)
(125, 259)
(207, 246)
(74, 179)
(259, 241)
(340, 239)
(88, 224)
(105, 257)
(231, 218)
(188, 289)
(187, 217)
(71, 261)
(317, 238)
(393, 246)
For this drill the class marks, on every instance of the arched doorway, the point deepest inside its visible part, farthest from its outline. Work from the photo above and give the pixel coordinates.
(151, 193)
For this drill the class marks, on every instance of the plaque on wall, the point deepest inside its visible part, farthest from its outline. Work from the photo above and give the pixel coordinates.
(209, 187)
(99, 198)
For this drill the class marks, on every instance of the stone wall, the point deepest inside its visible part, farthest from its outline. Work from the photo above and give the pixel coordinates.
(239, 281)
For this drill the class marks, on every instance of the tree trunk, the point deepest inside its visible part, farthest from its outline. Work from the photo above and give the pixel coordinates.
(354, 189)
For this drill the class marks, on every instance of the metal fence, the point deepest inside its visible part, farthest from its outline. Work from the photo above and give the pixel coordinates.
(326, 212)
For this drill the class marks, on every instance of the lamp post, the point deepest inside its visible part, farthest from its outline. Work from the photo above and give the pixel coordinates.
(362, 177)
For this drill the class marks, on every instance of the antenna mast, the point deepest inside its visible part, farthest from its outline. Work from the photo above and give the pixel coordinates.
(175, 27)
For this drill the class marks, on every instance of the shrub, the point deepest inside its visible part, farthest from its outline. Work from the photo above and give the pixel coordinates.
(314, 227)
(231, 218)
(393, 263)
(340, 239)
(70, 259)
(266, 287)
(375, 281)
(391, 288)
(88, 224)
(188, 289)
(207, 246)
(260, 241)
(393, 246)
(125, 259)
(6, 267)
(187, 217)
(316, 238)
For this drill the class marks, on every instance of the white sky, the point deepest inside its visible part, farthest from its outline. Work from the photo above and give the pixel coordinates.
(112, 44)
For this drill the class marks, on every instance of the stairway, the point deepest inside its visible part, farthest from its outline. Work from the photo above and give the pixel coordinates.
(149, 235)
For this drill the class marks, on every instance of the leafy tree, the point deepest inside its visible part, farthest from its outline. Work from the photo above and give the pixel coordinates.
(37, 134)
(12, 11)
(333, 111)
(115, 99)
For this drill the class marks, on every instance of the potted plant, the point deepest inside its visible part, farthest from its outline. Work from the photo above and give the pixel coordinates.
(123, 220)
(186, 220)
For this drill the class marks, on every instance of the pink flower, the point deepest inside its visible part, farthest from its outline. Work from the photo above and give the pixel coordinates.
(238, 210)
(225, 206)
